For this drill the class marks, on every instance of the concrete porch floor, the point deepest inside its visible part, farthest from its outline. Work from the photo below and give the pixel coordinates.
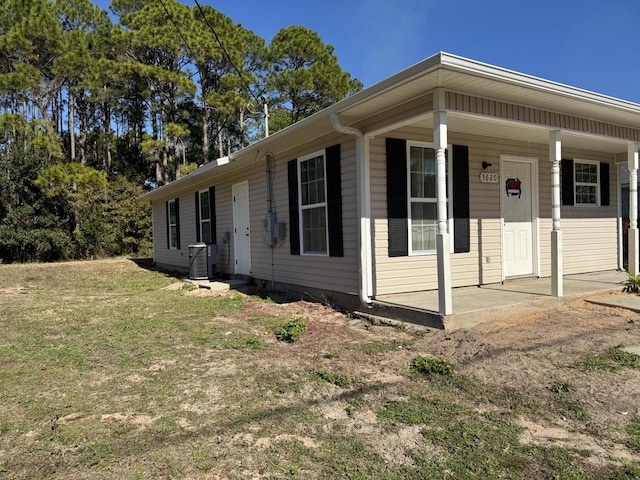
(474, 305)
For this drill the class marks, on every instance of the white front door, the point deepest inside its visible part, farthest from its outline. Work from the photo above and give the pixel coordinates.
(519, 194)
(241, 228)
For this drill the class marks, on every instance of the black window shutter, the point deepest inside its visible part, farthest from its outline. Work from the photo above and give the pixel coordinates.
(567, 182)
(177, 201)
(294, 219)
(212, 214)
(334, 201)
(166, 206)
(604, 184)
(461, 223)
(198, 236)
(397, 197)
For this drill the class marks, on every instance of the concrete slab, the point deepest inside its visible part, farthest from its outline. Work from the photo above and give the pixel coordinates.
(219, 285)
(624, 300)
(508, 300)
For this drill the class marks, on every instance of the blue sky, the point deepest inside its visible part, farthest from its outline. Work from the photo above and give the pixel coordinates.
(590, 44)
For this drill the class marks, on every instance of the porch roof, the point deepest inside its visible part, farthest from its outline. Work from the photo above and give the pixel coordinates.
(452, 73)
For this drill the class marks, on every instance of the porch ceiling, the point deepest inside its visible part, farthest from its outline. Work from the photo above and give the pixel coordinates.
(520, 131)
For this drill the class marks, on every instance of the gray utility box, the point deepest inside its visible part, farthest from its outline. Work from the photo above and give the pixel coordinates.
(198, 262)
(212, 260)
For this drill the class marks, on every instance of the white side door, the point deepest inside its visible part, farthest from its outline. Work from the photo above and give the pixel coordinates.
(517, 204)
(241, 228)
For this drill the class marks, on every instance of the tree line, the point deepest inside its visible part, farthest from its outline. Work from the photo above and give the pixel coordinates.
(94, 111)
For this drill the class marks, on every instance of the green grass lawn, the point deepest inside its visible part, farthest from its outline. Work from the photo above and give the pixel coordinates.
(104, 373)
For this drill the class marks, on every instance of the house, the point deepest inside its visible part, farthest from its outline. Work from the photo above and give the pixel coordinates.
(448, 174)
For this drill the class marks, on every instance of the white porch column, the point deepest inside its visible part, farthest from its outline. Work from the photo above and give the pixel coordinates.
(632, 154)
(555, 156)
(445, 304)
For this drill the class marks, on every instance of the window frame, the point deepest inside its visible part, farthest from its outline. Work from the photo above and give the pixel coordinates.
(173, 226)
(576, 184)
(323, 205)
(432, 200)
(200, 219)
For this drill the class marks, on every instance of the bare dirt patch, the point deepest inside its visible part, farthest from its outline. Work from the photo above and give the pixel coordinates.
(527, 356)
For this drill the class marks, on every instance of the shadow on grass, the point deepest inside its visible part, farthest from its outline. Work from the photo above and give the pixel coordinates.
(252, 288)
(147, 263)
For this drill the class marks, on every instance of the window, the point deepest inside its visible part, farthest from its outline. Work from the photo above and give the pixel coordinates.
(315, 188)
(399, 204)
(587, 182)
(204, 216)
(423, 217)
(313, 205)
(173, 226)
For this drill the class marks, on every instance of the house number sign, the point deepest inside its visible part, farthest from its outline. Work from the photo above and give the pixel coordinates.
(488, 177)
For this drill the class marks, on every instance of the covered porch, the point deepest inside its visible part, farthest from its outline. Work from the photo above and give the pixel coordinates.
(494, 302)
(448, 99)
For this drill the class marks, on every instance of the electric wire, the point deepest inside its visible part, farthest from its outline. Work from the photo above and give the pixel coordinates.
(173, 21)
(193, 55)
(257, 99)
(246, 85)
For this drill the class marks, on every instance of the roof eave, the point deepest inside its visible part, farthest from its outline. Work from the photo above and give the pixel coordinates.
(441, 60)
(486, 70)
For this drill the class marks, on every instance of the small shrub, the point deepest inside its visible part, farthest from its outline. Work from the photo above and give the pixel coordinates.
(432, 365)
(632, 284)
(334, 378)
(291, 331)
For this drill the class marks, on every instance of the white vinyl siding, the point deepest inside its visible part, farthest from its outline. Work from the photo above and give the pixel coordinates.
(338, 274)
(589, 244)
(521, 113)
(481, 265)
